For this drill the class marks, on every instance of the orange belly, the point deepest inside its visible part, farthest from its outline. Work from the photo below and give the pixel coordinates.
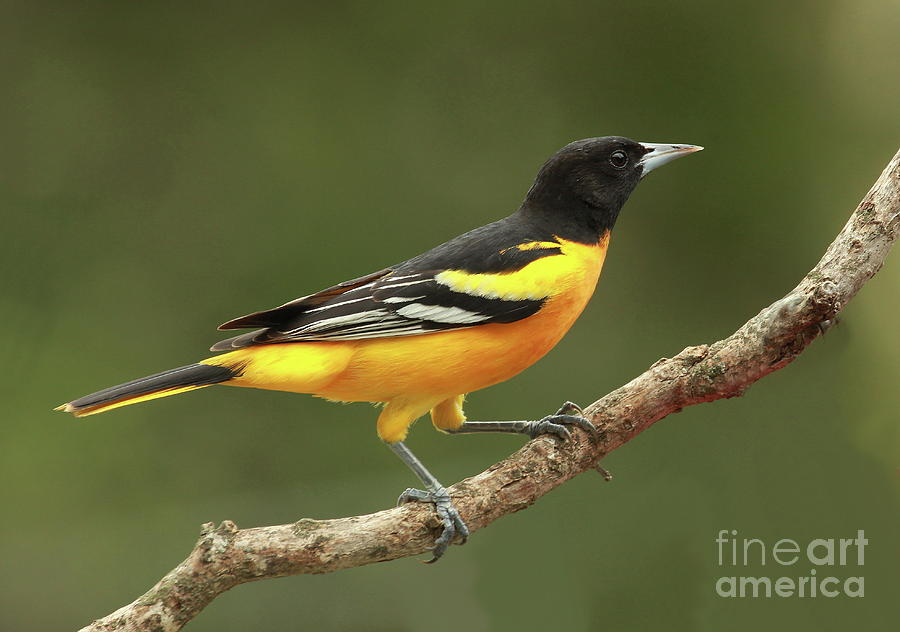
(453, 362)
(416, 373)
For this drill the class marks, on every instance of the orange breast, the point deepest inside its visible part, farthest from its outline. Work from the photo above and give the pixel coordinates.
(465, 360)
(433, 367)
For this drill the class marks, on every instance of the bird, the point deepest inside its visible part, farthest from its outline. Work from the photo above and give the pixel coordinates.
(416, 337)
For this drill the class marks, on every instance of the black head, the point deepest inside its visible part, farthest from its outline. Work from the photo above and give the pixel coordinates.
(586, 182)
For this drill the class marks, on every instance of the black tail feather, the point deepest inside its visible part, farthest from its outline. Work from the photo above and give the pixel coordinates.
(190, 375)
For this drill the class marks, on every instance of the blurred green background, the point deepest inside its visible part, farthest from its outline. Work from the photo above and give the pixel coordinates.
(166, 167)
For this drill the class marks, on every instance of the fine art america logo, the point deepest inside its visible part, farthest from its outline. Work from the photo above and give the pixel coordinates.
(827, 567)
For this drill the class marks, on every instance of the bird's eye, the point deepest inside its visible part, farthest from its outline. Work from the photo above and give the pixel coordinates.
(618, 159)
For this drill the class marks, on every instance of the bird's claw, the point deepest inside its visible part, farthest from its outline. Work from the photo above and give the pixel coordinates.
(569, 414)
(443, 505)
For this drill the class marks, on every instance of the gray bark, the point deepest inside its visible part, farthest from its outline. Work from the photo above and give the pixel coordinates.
(226, 556)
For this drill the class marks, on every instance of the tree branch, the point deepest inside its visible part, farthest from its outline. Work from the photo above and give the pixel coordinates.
(226, 556)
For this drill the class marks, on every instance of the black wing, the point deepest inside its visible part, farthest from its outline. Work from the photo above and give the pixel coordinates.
(388, 305)
(274, 317)
(408, 298)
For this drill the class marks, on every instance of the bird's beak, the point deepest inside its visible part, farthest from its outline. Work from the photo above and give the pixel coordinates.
(659, 154)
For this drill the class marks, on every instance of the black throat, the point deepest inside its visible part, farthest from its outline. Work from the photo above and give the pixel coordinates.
(567, 215)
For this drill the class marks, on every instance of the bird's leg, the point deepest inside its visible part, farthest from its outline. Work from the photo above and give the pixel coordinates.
(568, 415)
(434, 493)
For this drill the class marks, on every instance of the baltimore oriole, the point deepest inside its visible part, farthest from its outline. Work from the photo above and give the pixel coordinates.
(417, 336)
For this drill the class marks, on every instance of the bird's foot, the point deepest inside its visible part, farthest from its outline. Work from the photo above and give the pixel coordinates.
(569, 414)
(443, 505)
